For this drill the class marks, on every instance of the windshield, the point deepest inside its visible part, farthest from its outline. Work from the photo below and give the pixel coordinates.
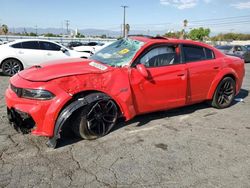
(224, 47)
(119, 53)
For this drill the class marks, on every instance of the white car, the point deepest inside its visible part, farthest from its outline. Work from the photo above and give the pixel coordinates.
(91, 49)
(3, 42)
(20, 54)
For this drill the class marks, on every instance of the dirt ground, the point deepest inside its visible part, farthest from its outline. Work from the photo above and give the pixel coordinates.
(195, 146)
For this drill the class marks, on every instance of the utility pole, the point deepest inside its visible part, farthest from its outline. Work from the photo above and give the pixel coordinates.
(124, 19)
(67, 26)
(36, 29)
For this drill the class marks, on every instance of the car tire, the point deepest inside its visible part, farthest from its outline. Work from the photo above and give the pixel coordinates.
(11, 66)
(224, 93)
(95, 119)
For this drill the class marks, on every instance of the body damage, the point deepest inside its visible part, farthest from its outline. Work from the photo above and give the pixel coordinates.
(113, 82)
(72, 81)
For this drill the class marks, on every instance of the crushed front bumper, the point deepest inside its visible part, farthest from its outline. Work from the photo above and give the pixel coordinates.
(21, 121)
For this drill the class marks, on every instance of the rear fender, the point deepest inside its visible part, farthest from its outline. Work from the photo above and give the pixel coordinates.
(219, 77)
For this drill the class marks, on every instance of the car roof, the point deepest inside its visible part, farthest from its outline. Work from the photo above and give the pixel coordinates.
(159, 39)
(26, 40)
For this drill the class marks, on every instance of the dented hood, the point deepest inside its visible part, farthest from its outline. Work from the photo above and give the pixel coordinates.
(57, 69)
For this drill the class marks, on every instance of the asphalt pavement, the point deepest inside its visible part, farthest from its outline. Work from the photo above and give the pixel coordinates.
(195, 146)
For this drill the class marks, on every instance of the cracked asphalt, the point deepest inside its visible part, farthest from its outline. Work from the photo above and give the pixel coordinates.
(195, 146)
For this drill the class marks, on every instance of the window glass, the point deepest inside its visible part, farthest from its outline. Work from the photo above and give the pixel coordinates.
(49, 46)
(160, 56)
(92, 43)
(209, 54)
(193, 53)
(224, 47)
(17, 45)
(237, 48)
(119, 53)
(244, 49)
(30, 45)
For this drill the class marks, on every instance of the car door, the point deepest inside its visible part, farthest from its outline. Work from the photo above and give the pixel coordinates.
(29, 53)
(53, 51)
(202, 68)
(165, 86)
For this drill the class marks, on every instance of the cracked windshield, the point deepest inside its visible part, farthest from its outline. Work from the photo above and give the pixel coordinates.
(118, 54)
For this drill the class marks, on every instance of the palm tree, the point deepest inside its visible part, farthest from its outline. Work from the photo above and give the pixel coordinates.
(5, 30)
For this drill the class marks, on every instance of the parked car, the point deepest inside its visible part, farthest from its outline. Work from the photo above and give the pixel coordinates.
(132, 76)
(74, 44)
(236, 50)
(91, 47)
(3, 42)
(20, 54)
(248, 47)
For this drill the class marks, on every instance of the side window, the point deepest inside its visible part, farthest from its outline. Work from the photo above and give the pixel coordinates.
(49, 46)
(209, 53)
(244, 49)
(33, 45)
(193, 53)
(17, 45)
(160, 56)
(237, 48)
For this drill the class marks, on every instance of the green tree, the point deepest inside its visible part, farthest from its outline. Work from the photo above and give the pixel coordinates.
(177, 34)
(51, 35)
(5, 29)
(199, 34)
(230, 37)
(103, 36)
(79, 35)
(32, 34)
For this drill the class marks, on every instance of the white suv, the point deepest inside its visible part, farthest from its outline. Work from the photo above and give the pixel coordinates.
(20, 54)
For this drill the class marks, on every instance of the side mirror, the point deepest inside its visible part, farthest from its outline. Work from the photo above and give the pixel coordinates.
(142, 70)
(63, 50)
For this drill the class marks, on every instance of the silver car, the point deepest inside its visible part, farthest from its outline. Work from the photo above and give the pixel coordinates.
(235, 50)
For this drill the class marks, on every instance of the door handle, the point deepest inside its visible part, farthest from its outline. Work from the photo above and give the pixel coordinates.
(181, 74)
(48, 53)
(216, 68)
(20, 52)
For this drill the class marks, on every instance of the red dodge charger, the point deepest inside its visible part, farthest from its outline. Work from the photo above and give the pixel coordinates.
(132, 76)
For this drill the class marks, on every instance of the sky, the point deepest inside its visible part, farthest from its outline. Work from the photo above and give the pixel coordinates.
(219, 15)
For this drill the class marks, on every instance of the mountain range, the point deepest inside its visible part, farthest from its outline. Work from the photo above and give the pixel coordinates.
(86, 32)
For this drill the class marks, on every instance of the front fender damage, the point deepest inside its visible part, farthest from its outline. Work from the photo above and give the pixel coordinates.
(68, 111)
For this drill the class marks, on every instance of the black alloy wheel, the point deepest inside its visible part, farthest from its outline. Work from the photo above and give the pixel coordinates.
(224, 93)
(11, 66)
(95, 120)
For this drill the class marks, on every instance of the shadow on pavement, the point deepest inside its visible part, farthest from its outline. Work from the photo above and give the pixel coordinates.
(141, 120)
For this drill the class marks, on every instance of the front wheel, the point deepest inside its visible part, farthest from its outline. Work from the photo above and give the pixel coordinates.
(224, 94)
(96, 119)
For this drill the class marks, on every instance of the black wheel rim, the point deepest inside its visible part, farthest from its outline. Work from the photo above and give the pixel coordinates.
(226, 93)
(11, 67)
(101, 117)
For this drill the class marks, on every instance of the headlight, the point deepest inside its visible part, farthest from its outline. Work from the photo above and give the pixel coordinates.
(32, 93)
(37, 94)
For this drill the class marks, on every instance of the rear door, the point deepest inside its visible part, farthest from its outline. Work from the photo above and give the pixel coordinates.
(29, 53)
(166, 85)
(202, 68)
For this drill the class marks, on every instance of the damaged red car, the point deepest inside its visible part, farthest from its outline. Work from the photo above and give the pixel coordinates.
(132, 76)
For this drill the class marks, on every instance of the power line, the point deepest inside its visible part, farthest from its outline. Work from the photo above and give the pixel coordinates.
(224, 18)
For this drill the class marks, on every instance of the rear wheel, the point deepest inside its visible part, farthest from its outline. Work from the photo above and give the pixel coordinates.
(11, 67)
(96, 119)
(224, 93)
